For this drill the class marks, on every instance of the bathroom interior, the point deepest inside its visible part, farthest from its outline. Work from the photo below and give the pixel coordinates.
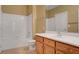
(39, 29)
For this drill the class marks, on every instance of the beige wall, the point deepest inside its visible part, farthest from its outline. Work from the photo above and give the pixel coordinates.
(0, 8)
(17, 9)
(72, 15)
(38, 19)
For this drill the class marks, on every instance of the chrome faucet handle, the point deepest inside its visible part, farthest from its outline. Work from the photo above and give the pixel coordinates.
(59, 33)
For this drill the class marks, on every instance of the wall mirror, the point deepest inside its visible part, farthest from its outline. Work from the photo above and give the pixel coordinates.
(63, 18)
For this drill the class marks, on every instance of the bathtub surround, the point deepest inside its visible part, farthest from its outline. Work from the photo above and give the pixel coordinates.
(29, 26)
(37, 11)
(0, 29)
(16, 30)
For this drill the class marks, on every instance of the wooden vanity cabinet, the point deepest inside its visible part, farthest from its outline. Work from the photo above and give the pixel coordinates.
(48, 50)
(62, 47)
(39, 44)
(39, 39)
(49, 42)
(39, 48)
(44, 45)
(74, 50)
(49, 46)
(59, 52)
(66, 49)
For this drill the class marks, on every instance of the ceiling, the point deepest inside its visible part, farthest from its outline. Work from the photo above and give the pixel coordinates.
(51, 6)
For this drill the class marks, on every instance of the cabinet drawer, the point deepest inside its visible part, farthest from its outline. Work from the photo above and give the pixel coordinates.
(39, 38)
(74, 50)
(63, 47)
(49, 42)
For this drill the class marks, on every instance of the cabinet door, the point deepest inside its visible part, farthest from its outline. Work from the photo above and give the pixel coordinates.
(59, 52)
(39, 48)
(49, 42)
(63, 47)
(74, 50)
(39, 38)
(48, 50)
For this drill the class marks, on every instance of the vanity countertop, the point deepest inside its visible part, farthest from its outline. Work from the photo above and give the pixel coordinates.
(68, 39)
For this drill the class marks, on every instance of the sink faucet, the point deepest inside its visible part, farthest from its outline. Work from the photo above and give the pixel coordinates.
(59, 33)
